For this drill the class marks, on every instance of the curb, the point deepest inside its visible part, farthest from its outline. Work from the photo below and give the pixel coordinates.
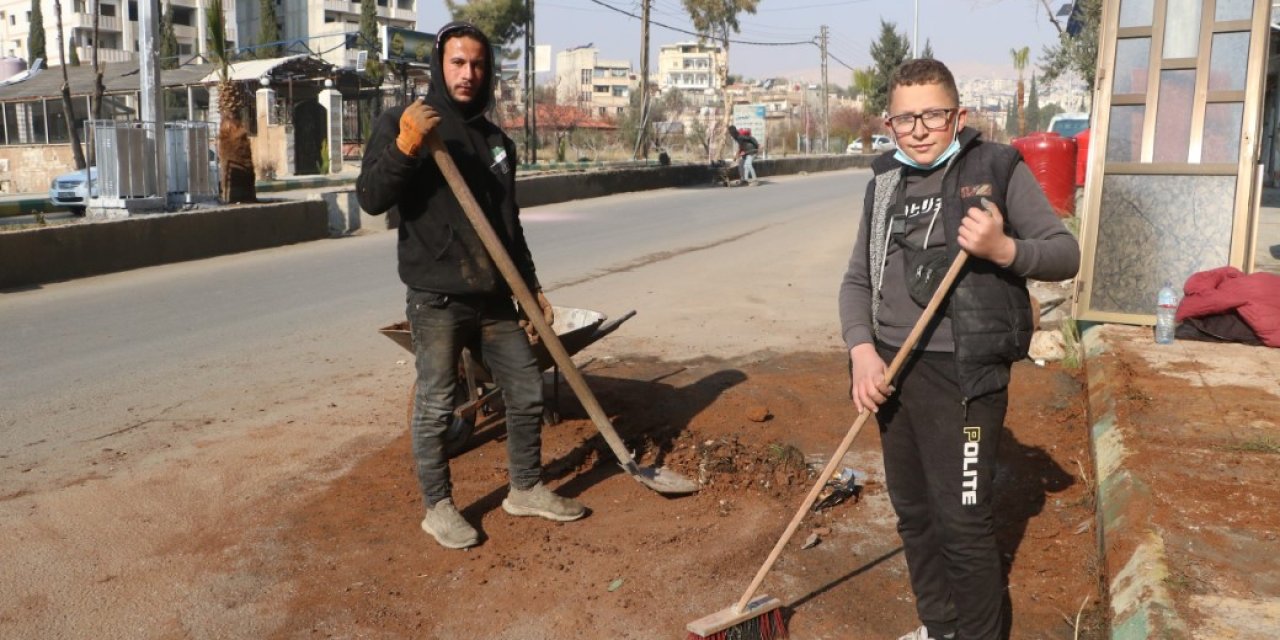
(1135, 570)
(26, 207)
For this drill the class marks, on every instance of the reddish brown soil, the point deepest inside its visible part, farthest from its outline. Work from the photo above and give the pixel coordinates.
(641, 565)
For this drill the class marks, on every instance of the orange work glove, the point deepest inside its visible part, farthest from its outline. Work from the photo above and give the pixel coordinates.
(415, 123)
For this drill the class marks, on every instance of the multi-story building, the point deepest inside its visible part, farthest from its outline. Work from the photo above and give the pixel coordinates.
(118, 33)
(321, 24)
(583, 80)
(690, 67)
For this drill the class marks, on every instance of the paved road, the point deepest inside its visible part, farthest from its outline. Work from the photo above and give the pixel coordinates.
(189, 343)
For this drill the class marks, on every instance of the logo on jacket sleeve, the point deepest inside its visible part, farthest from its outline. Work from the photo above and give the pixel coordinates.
(972, 442)
(499, 160)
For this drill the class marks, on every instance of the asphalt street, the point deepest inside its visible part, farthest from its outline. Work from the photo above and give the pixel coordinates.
(98, 356)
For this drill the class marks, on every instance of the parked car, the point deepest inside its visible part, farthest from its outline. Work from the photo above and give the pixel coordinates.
(1068, 125)
(878, 143)
(69, 191)
(72, 190)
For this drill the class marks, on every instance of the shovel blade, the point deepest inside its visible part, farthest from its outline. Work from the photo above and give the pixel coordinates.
(663, 481)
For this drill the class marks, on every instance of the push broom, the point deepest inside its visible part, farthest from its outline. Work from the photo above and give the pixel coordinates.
(761, 618)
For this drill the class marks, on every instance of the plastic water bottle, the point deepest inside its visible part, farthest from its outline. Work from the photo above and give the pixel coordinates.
(1166, 307)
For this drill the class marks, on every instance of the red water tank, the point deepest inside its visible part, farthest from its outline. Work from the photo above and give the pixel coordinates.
(1052, 160)
(1082, 156)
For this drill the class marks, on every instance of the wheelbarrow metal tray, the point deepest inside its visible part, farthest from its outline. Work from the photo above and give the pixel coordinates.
(576, 328)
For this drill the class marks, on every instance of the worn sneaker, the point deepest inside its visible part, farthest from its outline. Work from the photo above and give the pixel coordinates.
(447, 526)
(919, 634)
(540, 501)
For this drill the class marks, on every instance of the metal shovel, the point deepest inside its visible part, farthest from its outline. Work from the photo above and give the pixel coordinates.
(661, 480)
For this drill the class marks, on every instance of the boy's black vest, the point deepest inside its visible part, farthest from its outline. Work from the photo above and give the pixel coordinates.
(989, 306)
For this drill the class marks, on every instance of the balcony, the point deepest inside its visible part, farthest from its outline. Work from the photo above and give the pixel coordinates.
(104, 55)
(342, 6)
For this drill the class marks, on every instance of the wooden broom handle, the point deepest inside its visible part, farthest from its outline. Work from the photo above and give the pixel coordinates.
(898, 360)
(527, 300)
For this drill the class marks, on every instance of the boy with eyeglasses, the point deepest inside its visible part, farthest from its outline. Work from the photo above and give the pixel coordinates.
(945, 190)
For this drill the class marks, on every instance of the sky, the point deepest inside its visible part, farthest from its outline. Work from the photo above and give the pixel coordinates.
(972, 36)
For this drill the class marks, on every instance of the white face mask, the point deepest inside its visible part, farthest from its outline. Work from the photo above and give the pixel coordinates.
(951, 150)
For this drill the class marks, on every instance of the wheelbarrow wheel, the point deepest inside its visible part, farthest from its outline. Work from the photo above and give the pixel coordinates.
(455, 437)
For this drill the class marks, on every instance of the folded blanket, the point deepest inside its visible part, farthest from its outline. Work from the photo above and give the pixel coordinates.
(1255, 297)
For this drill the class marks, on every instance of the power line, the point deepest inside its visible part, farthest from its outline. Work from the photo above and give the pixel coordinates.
(700, 35)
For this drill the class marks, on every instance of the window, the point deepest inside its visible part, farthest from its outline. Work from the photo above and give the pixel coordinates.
(404, 4)
(584, 96)
(620, 92)
(108, 10)
(586, 76)
(184, 16)
(599, 88)
(133, 11)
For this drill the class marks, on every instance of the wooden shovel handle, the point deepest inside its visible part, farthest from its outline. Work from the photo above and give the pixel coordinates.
(526, 299)
(894, 367)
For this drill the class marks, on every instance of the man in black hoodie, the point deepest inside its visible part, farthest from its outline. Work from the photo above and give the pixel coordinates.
(457, 298)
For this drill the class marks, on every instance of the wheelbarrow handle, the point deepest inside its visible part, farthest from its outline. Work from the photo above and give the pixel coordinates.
(611, 325)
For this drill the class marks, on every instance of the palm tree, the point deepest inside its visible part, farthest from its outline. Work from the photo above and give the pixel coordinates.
(1020, 57)
(235, 156)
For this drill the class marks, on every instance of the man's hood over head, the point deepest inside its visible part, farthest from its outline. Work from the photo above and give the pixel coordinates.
(439, 97)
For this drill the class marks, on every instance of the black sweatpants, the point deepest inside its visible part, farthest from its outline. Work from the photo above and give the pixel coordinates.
(939, 460)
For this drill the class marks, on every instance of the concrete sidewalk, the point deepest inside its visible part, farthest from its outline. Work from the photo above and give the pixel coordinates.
(1186, 442)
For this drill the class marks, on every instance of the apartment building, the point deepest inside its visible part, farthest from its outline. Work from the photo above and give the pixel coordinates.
(118, 33)
(601, 86)
(690, 67)
(320, 24)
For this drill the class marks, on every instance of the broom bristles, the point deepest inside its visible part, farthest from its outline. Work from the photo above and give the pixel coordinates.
(766, 626)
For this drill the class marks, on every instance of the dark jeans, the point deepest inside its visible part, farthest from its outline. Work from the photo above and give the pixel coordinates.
(488, 325)
(940, 461)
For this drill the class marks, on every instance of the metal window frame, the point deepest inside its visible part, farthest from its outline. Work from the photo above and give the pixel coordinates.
(1243, 242)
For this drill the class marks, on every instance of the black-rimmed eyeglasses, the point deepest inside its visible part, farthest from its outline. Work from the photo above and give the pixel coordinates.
(933, 120)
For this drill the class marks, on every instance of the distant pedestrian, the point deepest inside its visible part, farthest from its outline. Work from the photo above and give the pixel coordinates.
(456, 297)
(748, 147)
(940, 428)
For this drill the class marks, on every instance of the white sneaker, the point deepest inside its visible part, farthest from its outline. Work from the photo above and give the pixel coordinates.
(919, 634)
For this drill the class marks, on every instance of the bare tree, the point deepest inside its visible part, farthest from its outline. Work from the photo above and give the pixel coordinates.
(716, 20)
(68, 112)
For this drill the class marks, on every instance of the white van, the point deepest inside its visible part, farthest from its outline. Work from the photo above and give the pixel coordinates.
(1068, 125)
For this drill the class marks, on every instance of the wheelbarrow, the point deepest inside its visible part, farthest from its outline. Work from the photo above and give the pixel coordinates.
(576, 328)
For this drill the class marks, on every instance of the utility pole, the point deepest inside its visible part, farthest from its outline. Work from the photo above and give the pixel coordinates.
(826, 122)
(530, 108)
(915, 31)
(642, 140)
(149, 85)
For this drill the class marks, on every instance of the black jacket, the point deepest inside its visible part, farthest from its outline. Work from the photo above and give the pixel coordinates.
(439, 250)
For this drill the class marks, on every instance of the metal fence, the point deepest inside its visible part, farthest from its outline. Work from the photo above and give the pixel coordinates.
(192, 164)
(126, 156)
